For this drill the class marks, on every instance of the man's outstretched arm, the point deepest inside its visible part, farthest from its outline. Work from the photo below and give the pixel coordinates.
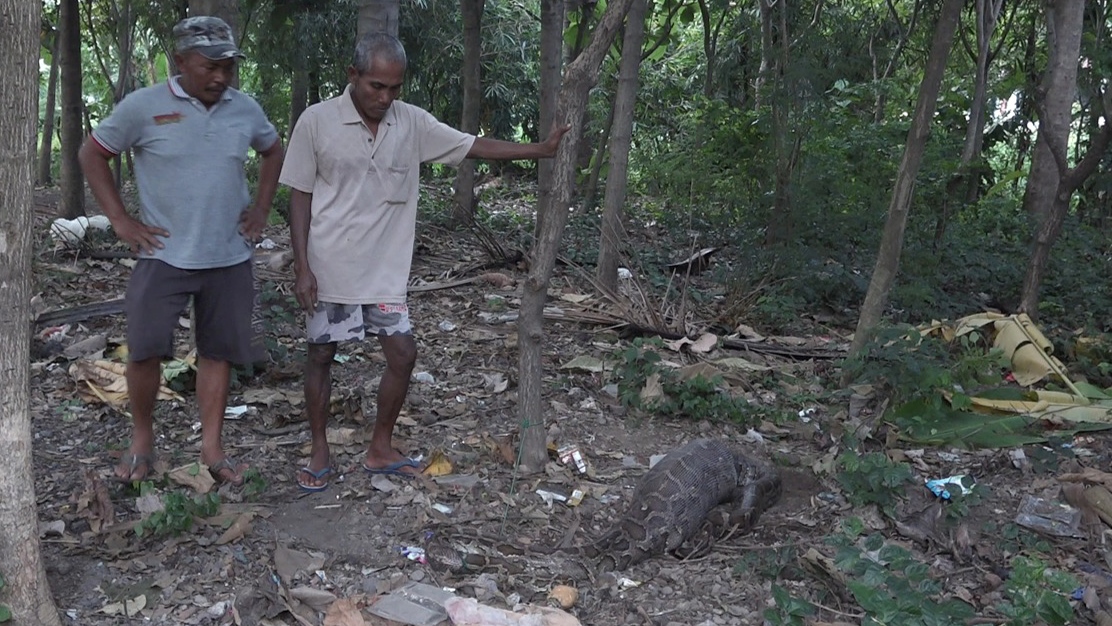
(498, 150)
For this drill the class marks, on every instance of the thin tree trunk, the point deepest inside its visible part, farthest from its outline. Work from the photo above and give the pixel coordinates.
(26, 591)
(299, 80)
(764, 10)
(987, 12)
(552, 217)
(785, 141)
(621, 137)
(1054, 100)
(710, 43)
(472, 76)
(1065, 23)
(73, 182)
(551, 59)
(46, 149)
(377, 16)
(891, 244)
(590, 192)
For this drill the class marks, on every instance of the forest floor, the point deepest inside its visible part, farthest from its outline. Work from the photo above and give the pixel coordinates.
(267, 553)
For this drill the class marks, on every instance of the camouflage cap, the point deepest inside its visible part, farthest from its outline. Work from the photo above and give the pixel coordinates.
(211, 36)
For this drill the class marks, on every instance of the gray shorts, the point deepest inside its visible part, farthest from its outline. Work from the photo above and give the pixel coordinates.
(331, 322)
(223, 299)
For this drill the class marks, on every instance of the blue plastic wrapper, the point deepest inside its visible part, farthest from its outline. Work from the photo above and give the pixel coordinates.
(938, 486)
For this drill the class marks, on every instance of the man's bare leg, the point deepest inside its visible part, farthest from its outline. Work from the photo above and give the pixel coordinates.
(143, 379)
(212, 396)
(318, 393)
(401, 356)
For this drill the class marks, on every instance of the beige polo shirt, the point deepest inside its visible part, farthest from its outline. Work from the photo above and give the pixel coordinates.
(364, 209)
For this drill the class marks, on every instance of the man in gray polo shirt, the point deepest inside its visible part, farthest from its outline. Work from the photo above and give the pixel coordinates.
(353, 166)
(190, 138)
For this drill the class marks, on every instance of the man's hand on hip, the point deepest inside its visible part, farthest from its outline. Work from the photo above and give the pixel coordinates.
(141, 237)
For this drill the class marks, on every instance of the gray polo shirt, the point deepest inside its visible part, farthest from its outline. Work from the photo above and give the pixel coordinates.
(189, 168)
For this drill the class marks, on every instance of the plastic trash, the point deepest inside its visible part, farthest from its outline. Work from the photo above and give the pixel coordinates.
(570, 455)
(959, 482)
(1052, 518)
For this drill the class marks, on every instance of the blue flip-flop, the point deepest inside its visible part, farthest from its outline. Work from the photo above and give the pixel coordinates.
(394, 469)
(317, 474)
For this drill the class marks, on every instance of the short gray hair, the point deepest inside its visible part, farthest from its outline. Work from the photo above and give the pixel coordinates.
(377, 46)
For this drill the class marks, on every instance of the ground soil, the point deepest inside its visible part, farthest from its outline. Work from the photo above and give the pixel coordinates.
(465, 408)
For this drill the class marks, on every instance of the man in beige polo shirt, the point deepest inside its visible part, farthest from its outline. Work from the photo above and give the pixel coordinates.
(352, 165)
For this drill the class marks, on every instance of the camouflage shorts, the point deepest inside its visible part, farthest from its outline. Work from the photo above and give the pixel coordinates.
(345, 322)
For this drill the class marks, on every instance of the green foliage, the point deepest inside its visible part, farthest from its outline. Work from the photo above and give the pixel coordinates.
(178, 513)
(873, 479)
(5, 611)
(789, 611)
(697, 397)
(909, 368)
(253, 483)
(892, 586)
(1037, 593)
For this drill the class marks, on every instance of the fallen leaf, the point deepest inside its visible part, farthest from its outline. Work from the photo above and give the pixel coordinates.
(705, 343)
(575, 298)
(263, 396)
(495, 383)
(748, 333)
(585, 363)
(653, 388)
(316, 598)
(194, 475)
(106, 381)
(383, 484)
(343, 436)
(150, 503)
(496, 279)
(128, 608)
(344, 612)
(238, 530)
(438, 464)
(289, 562)
(697, 370)
(95, 504)
(738, 363)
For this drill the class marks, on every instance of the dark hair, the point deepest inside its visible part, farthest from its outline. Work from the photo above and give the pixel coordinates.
(377, 46)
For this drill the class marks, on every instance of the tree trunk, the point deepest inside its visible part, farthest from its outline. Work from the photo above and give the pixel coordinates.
(552, 217)
(46, 150)
(227, 10)
(888, 258)
(472, 76)
(785, 140)
(299, 80)
(965, 179)
(26, 591)
(621, 137)
(764, 10)
(1054, 101)
(1064, 29)
(590, 191)
(73, 182)
(551, 53)
(378, 16)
